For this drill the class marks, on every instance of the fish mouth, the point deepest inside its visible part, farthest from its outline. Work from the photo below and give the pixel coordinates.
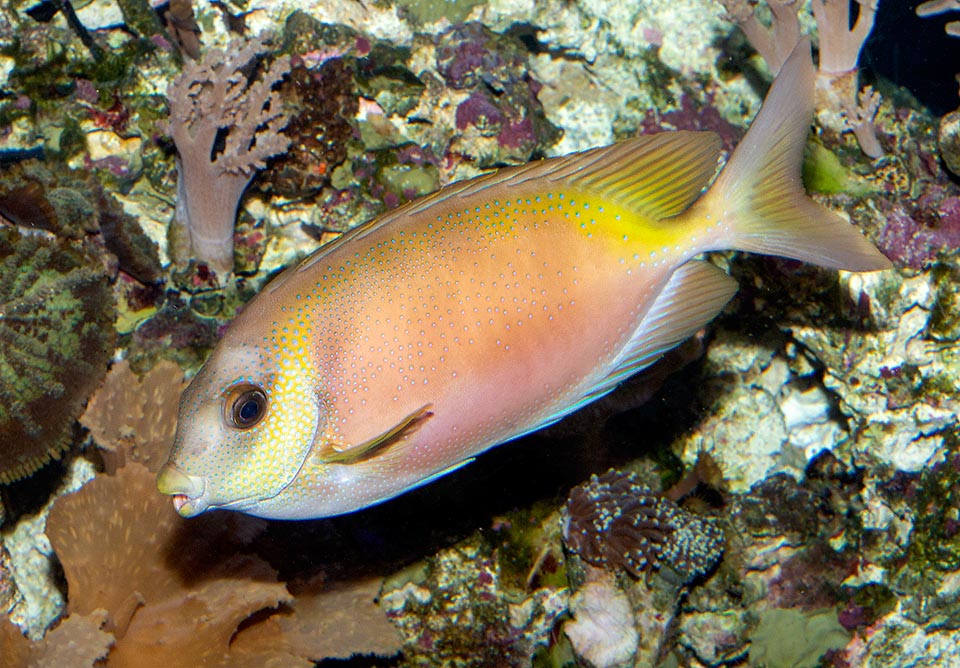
(187, 490)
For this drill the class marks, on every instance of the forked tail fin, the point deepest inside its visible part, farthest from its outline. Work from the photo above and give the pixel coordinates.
(759, 193)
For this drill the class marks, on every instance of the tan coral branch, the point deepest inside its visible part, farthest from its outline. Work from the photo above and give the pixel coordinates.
(213, 100)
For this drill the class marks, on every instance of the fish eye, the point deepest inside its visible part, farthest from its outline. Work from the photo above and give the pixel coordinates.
(244, 406)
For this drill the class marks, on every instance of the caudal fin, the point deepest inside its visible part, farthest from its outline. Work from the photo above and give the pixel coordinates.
(760, 195)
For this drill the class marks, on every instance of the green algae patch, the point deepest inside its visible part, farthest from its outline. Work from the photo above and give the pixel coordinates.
(790, 638)
(936, 535)
(427, 11)
(527, 548)
(945, 314)
(823, 172)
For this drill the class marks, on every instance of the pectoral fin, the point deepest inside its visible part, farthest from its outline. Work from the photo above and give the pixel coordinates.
(350, 454)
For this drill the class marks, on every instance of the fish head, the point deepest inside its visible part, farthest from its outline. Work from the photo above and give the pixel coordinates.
(246, 425)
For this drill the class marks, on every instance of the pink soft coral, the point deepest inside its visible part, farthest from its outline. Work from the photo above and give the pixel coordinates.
(840, 45)
(212, 103)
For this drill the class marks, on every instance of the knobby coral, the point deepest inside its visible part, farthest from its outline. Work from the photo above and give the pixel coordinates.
(56, 336)
(225, 124)
(615, 521)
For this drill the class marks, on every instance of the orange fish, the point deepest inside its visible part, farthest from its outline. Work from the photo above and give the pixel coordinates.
(488, 310)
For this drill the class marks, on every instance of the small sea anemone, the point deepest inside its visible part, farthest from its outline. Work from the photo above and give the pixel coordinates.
(56, 336)
(615, 521)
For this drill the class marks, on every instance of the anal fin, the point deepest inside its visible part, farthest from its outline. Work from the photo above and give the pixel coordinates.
(694, 295)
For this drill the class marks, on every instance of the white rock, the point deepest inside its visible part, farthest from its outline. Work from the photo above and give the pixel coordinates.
(602, 630)
(100, 15)
(30, 555)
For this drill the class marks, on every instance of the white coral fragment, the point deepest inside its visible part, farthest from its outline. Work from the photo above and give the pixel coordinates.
(602, 631)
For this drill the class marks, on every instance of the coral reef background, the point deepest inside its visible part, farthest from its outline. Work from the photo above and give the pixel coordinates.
(786, 486)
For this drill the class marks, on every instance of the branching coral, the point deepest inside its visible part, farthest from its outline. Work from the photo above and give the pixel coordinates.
(948, 134)
(615, 521)
(775, 41)
(225, 125)
(840, 45)
(56, 336)
(935, 7)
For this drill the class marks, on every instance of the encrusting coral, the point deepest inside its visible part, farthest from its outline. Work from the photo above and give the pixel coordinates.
(141, 431)
(133, 528)
(225, 125)
(615, 521)
(78, 641)
(183, 594)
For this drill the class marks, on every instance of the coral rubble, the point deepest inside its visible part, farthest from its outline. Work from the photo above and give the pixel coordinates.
(457, 612)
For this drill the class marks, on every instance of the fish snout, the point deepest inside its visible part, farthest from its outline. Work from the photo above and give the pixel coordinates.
(185, 489)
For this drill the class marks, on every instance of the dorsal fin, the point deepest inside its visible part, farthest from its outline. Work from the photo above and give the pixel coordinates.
(656, 175)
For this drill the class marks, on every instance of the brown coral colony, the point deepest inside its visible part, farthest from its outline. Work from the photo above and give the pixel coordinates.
(612, 521)
(615, 521)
